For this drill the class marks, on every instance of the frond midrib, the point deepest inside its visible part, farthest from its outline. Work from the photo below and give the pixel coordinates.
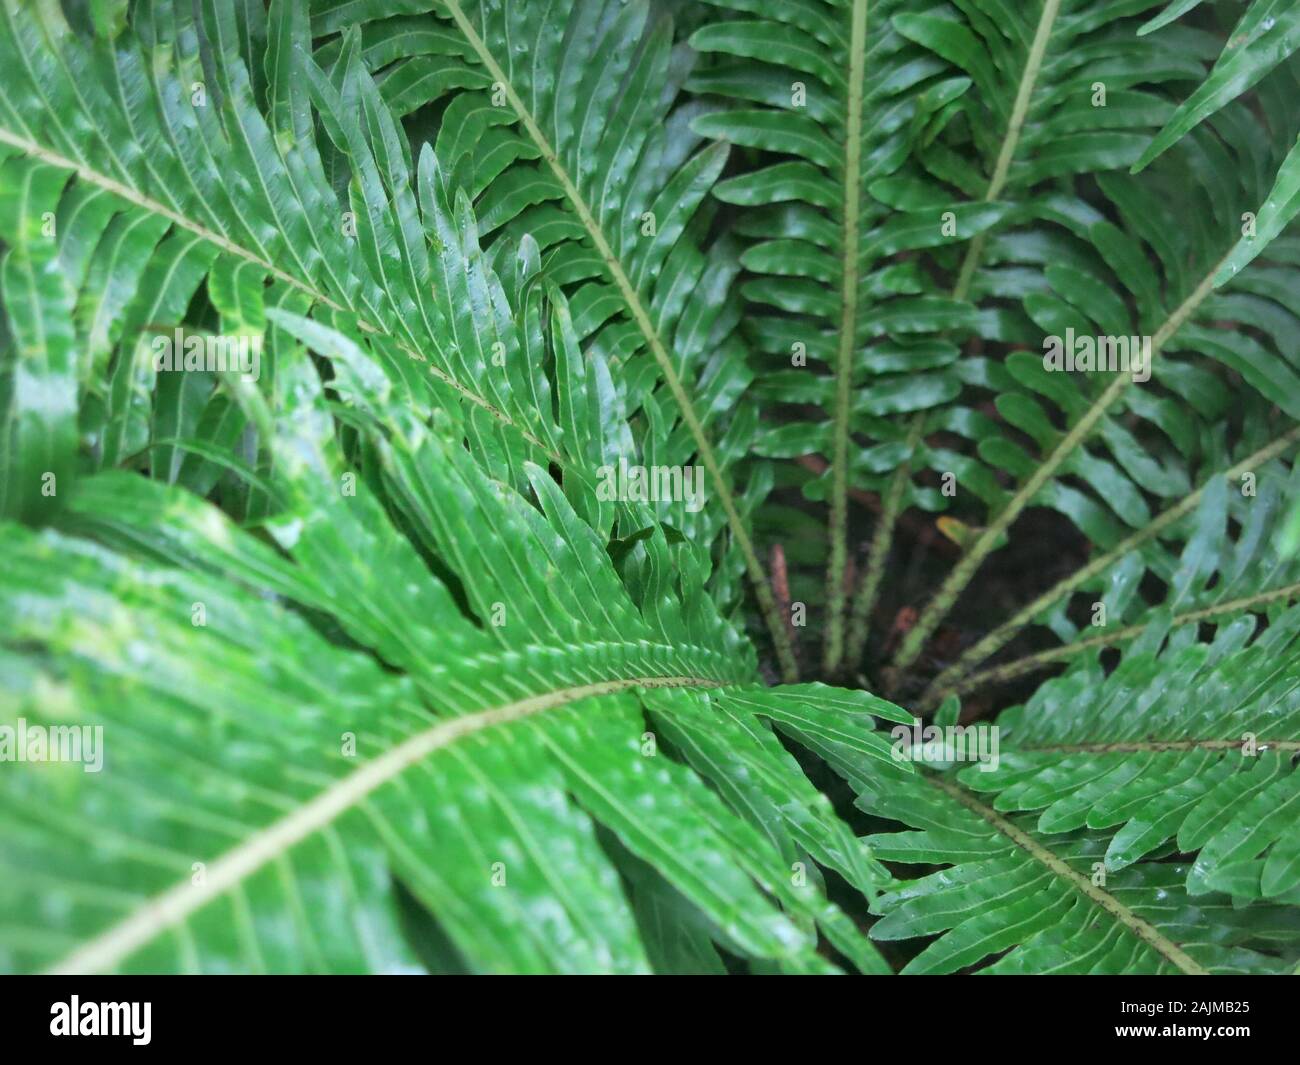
(172, 906)
(835, 592)
(1011, 140)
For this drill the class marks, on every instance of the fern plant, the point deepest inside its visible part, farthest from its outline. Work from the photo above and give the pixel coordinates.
(394, 645)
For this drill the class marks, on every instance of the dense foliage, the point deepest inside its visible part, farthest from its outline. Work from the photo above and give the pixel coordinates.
(483, 480)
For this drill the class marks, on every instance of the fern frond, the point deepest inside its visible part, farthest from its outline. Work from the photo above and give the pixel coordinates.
(1266, 35)
(1065, 289)
(614, 203)
(839, 93)
(1194, 743)
(1032, 897)
(356, 659)
(466, 754)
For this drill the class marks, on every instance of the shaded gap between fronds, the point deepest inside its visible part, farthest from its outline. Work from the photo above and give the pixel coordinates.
(987, 541)
(999, 637)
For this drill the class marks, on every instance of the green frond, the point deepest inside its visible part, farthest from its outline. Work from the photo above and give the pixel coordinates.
(1233, 562)
(344, 771)
(1095, 446)
(429, 429)
(597, 163)
(1035, 898)
(1216, 569)
(1192, 744)
(840, 98)
(1266, 35)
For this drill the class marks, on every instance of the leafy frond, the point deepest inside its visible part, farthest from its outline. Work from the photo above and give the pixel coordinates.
(1218, 572)
(1093, 450)
(411, 411)
(839, 97)
(597, 164)
(1032, 897)
(1192, 744)
(347, 773)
